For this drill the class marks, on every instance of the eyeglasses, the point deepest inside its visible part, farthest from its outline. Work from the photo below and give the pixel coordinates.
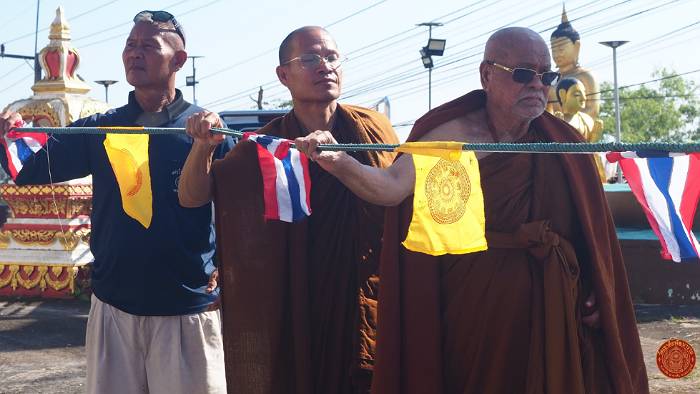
(312, 60)
(163, 17)
(525, 75)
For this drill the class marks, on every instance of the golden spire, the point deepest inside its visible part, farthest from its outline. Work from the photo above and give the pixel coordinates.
(564, 18)
(60, 60)
(60, 30)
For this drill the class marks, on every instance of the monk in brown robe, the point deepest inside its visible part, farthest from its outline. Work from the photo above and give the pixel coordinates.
(299, 300)
(546, 309)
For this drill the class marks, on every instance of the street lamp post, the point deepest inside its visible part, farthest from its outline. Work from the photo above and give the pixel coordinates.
(191, 80)
(435, 47)
(106, 83)
(618, 131)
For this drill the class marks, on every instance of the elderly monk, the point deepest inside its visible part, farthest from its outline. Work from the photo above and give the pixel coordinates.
(300, 301)
(522, 316)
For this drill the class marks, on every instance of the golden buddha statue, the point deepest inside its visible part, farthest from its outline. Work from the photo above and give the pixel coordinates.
(566, 45)
(571, 97)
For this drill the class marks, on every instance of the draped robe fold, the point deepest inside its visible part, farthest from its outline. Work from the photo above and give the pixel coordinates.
(299, 299)
(508, 320)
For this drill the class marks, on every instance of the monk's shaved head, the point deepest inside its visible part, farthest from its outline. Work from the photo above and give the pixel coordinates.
(287, 46)
(502, 44)
(508, 97)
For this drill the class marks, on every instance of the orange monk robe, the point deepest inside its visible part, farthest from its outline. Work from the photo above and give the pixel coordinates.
(299, 300)
(508, 320)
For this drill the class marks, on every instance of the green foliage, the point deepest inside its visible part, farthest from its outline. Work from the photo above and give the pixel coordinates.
(670, 112)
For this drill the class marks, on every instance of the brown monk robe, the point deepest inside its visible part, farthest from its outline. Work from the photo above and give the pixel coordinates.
(299, 300)
(508, 320)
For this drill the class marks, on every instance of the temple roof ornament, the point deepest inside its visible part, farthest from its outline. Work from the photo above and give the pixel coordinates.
(60, 60)
(60, 97)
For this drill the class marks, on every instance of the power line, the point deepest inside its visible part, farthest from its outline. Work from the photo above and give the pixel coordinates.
(17, 82)
(355, 13)
(4, 24)
(350, 54)
(629, 86)
(126, 23)
(72, 18)
(271, 50)
(97, 33)
(403, 78)
(7, 74)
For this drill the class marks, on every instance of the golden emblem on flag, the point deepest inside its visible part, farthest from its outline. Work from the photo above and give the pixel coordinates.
(128, 155)
(447, 189)
(448, 205)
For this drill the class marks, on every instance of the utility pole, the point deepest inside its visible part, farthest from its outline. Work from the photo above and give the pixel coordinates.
(618, 130)
(35, 58)
(191, 80)
(37, 68)
(259, 101)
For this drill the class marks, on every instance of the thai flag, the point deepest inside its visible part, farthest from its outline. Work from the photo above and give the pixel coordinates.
(286, 182)
(667, 185)
(19, 147)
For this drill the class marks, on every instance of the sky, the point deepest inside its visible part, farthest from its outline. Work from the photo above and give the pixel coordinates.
(239, 41)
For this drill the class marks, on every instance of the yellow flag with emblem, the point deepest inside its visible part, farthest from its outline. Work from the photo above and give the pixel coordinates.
(128, 155)
(448, 204)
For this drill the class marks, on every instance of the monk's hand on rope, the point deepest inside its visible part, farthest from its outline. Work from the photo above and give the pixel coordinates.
(308, 145)
(590, 315)
(199, 127)
(9, 120)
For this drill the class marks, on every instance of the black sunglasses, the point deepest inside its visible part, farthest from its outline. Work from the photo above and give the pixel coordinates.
(163, 17)
(525, 75)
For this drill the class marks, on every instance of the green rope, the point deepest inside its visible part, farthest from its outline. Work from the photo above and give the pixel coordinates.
(531, 147)
(99, 130)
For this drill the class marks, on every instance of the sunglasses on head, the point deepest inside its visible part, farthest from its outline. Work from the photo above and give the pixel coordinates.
(525, 75)
(162, 17)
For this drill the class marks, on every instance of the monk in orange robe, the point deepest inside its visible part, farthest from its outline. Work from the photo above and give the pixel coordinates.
(546, 309)
(299, 299)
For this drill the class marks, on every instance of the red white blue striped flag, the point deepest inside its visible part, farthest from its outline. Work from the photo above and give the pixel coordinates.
(286, 181)
(19, 147)
(667, 185)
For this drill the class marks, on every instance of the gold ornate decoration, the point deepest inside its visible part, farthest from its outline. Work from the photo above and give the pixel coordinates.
(64, 190)
(32, 237)
(58, 278)
(69, 239)
(33, 275)
(4, 240)
(447, 189)
(29, 276)
(7, 274)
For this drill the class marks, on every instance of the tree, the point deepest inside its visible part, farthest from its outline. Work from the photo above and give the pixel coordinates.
(670, 112)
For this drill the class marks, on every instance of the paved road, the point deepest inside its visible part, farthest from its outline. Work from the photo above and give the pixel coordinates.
(42, 344)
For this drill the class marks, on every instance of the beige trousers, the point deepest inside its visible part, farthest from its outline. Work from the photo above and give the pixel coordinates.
(153, 354)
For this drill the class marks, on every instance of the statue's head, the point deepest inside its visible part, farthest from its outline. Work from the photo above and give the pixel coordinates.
(571, 94)
(565, 43)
